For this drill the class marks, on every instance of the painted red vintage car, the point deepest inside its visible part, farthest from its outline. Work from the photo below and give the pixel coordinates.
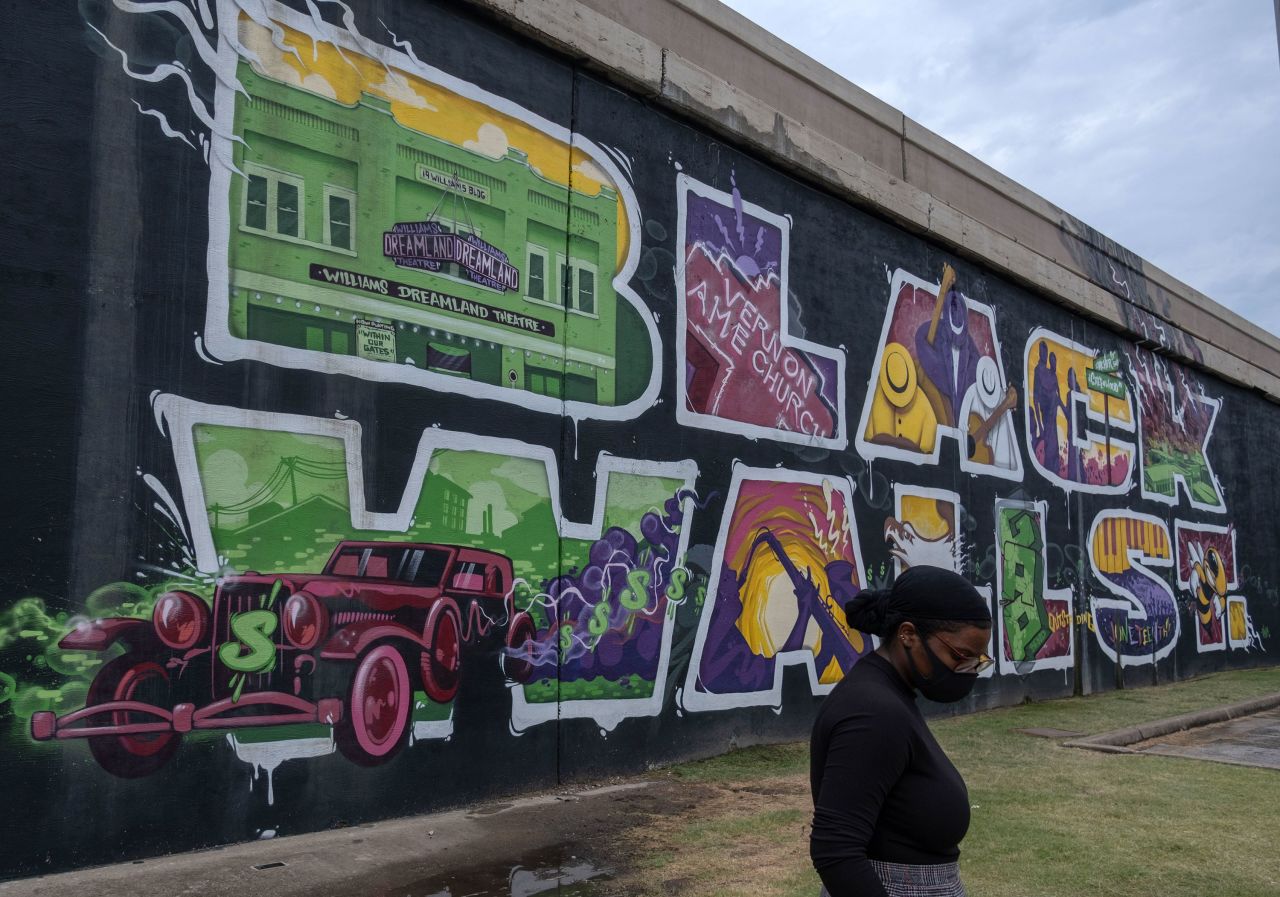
(340, 648)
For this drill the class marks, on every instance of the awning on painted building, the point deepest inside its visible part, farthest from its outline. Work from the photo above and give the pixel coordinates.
(443, 357)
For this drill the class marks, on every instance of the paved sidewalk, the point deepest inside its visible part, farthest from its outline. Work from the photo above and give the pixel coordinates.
(1247, 741)
(526, 846)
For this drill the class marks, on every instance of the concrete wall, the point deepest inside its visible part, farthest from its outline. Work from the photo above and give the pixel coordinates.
(432, 400)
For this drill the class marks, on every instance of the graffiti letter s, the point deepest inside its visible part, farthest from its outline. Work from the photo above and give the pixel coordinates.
(253, 630)
(636, 595)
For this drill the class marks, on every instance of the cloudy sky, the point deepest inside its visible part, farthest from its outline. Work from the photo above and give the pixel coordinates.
(1155, 121)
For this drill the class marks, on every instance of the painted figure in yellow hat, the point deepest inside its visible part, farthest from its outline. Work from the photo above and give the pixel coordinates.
(901, 414)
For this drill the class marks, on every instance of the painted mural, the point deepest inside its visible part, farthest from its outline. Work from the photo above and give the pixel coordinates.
(1177, 419)
(1035, 621)
(743, 370)
(478, 427)
(1208, 572)
(927, 530)
(786, 561)
(939, 373)
(1129, 553)
(1079, 416)
(386, 220)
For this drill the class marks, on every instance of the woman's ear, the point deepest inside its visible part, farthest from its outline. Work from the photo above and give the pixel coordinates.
(908, 635)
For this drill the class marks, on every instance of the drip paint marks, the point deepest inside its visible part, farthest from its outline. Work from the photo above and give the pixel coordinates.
(738, 367)
(1035, 621)
(1176, 423)
(1080, 420)
(1140, 623)
(381, 218)
(333, 626)
(786, 561)
(1208, 572)
(938, 373)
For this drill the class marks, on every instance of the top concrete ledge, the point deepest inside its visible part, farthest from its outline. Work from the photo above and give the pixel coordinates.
(713, 65)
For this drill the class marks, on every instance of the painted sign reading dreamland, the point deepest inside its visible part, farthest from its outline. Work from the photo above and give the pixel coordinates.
(429, 246)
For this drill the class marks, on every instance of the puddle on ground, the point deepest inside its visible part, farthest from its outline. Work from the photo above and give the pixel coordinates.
(553, 871)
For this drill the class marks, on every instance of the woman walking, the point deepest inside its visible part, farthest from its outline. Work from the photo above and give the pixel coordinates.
(890, 809)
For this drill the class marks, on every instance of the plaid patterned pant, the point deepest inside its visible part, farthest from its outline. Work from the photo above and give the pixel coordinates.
(904, 880)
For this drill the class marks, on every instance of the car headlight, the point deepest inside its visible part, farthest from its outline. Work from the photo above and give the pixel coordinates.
(305, 620)
(181, 620)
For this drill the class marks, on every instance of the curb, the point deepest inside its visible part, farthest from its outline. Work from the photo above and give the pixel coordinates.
(1117, 741)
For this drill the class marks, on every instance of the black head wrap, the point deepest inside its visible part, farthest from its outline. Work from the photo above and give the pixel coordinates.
(928, 595)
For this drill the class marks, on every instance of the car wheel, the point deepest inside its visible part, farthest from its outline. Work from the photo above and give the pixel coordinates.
(514, 665)
(136, 755)
(441, 662)
(377, 718)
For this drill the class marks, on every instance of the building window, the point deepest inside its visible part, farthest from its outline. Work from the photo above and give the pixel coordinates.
(255, 211)
(536, 276)
(577, 285)
(456, 227)
(273, 202)
(287, 217)
(586, 291)
(339, 218)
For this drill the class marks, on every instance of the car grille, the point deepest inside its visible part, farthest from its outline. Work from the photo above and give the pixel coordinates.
(237, 600)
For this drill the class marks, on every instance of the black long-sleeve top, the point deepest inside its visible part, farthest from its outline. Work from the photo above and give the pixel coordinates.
(882, 787)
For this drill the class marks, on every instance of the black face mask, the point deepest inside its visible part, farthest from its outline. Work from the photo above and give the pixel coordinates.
(945, 685)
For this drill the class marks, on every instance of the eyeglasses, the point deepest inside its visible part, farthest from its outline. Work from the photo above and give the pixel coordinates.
(965, 662)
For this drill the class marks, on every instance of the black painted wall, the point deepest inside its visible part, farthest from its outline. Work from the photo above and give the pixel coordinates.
(106, 286)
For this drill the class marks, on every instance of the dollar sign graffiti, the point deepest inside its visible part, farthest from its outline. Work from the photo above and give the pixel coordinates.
(599, 621)
(252, 631)
(636, 595)
(700, 596)
(566, 637)
(675, 588)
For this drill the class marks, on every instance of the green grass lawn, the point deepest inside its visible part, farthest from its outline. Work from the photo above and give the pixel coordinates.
(1048, 821)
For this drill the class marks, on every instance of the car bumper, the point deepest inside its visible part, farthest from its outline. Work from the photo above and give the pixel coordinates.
(269, 709)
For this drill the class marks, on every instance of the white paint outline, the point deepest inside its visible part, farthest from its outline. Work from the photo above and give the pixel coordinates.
(1008, 666)
(222, 343)
(1237, 643)
(904, 490)
(697, 701)
(1178, 479)
(1126, 601)
(179, 416)
(684, 186)
(872, 450)
(1079, 397)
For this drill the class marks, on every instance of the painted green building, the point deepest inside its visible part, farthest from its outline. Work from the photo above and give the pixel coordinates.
(352, 234)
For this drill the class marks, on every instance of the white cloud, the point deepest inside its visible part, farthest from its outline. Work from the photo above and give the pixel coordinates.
(490, 141)
(1154, 121)
(271, 61)
(397, 87)
(589, 169)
